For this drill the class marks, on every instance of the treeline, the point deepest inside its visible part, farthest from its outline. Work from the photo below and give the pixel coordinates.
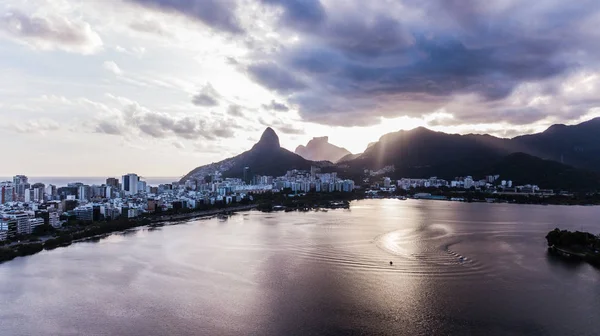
(575, 245)
(568, 239)
(472, 195)
(312, 200)
(78, 230)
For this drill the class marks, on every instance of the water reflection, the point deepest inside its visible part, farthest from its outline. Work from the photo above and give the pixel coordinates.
(457, 269)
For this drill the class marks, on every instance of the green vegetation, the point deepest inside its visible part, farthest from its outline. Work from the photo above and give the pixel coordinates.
(472, 195)
(288, 201)
(575, 245)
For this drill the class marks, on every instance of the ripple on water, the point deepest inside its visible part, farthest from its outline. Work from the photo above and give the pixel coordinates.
(413, 255)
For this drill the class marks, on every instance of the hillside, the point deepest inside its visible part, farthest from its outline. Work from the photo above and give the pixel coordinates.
(577, 145)
(421, 152)
(523, 168)
(265, 158)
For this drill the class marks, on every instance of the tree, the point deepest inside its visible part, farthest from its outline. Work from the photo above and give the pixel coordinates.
(43, 230)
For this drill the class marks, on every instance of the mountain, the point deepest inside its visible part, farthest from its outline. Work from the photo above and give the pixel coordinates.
(524, 168)
(265, 158)
(348, 157)
(421, 152)
(577, 145)
(319, 149)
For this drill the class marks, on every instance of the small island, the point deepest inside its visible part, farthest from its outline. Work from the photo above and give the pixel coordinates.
(580, 246)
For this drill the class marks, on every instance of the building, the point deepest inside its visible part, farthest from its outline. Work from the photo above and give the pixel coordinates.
(21, 221)
(141, 187)
(21, 184)
(10, 226)
(112, 182)
(38, 191)
(130, 184)
(35, 222)
(84, 193)
(387, 182)
(7, 193)
(85, 214)
(469, 182)
(247, 175)
(50, 217)
(51, 192)
(3, 230)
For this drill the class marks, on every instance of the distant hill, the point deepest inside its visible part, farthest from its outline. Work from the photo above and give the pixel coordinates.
(319, 149)
(421, 152)
(265, 158)
(348, 157)
(424, 153)
(523, 168)
(577, 145)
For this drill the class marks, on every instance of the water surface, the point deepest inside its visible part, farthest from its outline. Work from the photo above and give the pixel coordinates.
(457, 269)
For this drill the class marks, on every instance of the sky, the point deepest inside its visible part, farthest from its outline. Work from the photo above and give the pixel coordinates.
(159, 87)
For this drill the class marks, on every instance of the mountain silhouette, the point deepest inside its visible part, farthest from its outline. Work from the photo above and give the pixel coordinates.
(421, 152)
(319, 149)
(265, 158)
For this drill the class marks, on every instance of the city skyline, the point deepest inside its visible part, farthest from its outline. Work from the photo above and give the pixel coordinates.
(163, 86)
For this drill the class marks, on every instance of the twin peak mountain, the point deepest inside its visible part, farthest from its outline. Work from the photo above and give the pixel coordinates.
(561, 156)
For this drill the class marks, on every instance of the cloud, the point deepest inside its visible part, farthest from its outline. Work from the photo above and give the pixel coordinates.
(287, 129)
(110, 127)
(39, 126)
(134, 119)
(50, 33)
(135, 51)
(217, 14)
(281, 126)
(352, 64)
(300, 13)
(275, 106)
(235, 111)
(275, 77)
(207, 97)
(112, 67)
(178, 145)
(150, 27)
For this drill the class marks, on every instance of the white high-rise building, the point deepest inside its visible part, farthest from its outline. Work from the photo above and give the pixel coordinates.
(83, 193)
(129, 184)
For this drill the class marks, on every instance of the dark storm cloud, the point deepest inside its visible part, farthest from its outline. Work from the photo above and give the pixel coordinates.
(354, 63)
(300, 13)
(218, 14)
(274, 77)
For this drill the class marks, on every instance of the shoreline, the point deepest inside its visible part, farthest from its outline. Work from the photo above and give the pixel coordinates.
(11, 252)
(99, 230)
